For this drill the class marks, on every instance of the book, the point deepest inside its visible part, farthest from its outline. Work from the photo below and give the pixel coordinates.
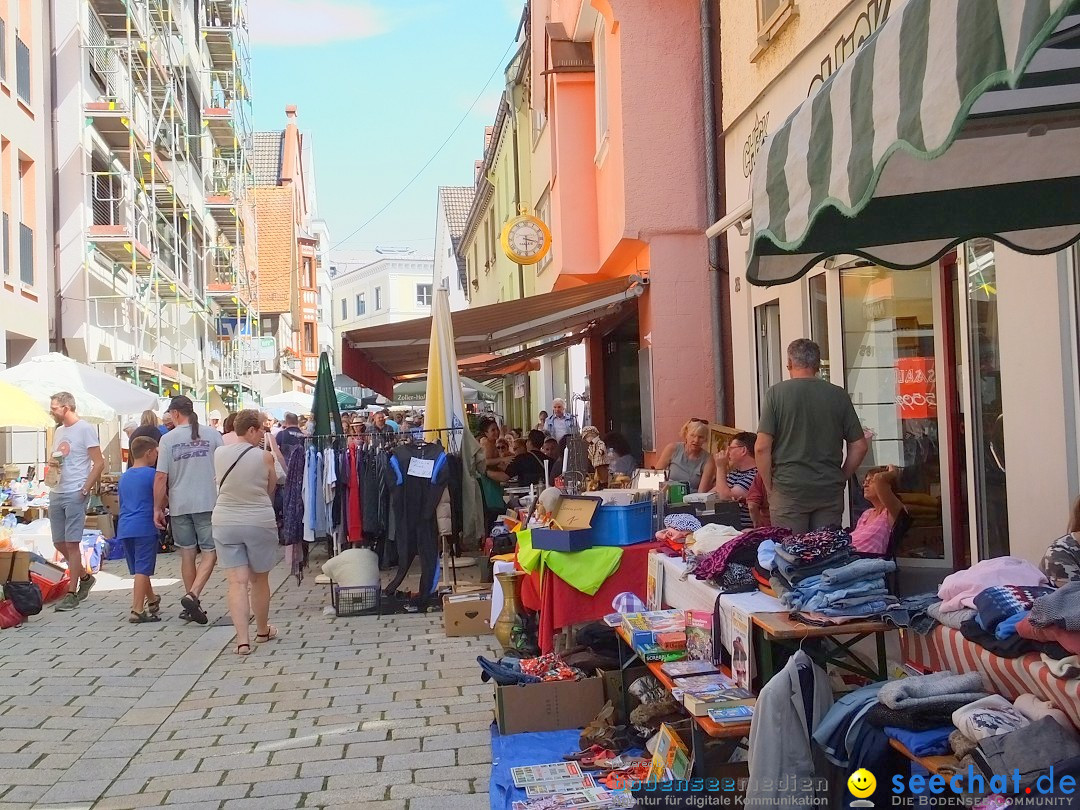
(731, 714)
(650, 653)
(671, 641)
(699, 635)
(700, 702)
(654, 583)
(684, 669)
(671, 760)
(716, 682)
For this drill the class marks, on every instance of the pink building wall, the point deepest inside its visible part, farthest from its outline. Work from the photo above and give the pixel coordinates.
(645, 186)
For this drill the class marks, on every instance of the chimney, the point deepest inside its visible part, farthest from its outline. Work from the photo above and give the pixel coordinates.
(290, 112)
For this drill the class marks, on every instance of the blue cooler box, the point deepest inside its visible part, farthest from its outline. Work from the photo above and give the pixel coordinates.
(622, 525)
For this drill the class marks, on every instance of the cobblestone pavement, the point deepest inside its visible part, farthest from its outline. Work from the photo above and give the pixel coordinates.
(380, 713)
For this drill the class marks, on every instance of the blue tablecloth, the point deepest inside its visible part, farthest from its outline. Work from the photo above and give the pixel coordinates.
(514, 750)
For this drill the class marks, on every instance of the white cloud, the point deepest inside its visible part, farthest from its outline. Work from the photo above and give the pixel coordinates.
(313, 22)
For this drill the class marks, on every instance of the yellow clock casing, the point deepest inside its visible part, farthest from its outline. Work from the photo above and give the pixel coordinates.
(526, 239)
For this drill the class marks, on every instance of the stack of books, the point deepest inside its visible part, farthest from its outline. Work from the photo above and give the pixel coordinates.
(702, 693)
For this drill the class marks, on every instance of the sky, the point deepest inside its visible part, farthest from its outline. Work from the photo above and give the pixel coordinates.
(378, 85)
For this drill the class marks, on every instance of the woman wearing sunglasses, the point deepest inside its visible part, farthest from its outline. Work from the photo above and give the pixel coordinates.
(690, 460)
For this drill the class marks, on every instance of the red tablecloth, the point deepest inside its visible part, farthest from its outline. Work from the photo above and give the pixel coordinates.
(561, 605)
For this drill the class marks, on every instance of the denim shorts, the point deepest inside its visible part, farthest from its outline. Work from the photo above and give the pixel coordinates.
(141, 554)
(67, 516)
(191, 531)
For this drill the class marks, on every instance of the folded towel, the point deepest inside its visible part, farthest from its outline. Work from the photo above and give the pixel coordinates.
(934, 689)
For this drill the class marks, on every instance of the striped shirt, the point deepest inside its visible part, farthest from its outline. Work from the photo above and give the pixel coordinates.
(745, 480)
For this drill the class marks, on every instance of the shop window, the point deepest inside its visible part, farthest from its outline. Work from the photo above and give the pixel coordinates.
(819, 318)
(991, 501)
(890, 371)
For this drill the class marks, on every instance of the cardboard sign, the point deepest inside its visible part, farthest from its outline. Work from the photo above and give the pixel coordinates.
(575, 512)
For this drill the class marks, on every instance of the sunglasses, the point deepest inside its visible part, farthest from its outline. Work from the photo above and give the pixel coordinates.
(696, 419)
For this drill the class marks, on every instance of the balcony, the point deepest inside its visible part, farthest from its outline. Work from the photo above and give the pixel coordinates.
(227, 281)
(119, 230)
(26, 254)
(116, 19)
(310, 367)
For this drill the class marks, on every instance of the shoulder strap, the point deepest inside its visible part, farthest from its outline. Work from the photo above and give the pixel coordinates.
(249, 448)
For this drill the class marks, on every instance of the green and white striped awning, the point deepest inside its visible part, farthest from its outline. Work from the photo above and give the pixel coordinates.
(957, 119)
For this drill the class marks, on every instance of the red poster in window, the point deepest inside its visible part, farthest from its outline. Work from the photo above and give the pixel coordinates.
(916, 388)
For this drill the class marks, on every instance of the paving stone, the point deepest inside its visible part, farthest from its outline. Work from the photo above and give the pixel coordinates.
(187, 780)
(86, 790)
(352, 797)
(337, 766)
(312, 784)
(264, 774)
(457, 741)
(472, 802)
(411, 791)
(24, 793)
(221, 763)
(135, 801)
(458, 772)
(409, 762)
(289, 756)
(476, 755)
(276, 802)
(207, 794)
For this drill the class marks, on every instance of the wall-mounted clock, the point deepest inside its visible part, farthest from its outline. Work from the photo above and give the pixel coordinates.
(526, 239)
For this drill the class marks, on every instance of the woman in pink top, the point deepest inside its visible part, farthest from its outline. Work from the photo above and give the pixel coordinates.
(871, 533)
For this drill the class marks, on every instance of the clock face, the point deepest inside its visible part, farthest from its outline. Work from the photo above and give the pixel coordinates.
(526, 238)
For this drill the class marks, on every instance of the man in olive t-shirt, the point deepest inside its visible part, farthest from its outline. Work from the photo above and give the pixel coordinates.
(805, 423)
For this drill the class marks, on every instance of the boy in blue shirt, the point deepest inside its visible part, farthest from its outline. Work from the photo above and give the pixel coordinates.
(137, 529)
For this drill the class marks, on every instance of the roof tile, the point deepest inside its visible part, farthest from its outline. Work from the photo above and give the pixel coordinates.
(276, 233)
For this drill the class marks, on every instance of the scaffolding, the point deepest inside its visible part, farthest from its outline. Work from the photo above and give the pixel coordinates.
(170, 251)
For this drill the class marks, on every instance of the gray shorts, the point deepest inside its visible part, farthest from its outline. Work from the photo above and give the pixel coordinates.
(193, 530)
(252, 546)
(67, 516)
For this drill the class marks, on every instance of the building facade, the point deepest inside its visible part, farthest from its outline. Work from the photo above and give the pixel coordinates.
(25, 180)
(386, 286)
(153, 245)
(288, 249)
(616, 121)
(450, 270)
(942, 362)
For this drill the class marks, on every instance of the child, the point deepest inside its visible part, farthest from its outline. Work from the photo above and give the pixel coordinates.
(137, 529)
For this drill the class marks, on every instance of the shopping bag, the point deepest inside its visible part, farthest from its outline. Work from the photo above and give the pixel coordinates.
(25, 596)
(9, 616)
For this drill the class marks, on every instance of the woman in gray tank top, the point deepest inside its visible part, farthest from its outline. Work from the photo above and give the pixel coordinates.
(689, 460)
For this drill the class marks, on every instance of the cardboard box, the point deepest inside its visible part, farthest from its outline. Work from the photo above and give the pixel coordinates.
(616, 681)
(467, 614)
(111, 502)
(14, 566)
(102, 523)
(548, 706)
(573, 525)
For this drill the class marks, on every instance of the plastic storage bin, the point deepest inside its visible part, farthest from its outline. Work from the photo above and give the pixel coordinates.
(622, 525)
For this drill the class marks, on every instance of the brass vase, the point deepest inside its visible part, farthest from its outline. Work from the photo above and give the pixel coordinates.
(511, 620)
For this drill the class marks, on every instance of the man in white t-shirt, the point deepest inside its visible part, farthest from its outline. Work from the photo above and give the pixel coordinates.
(76, 457)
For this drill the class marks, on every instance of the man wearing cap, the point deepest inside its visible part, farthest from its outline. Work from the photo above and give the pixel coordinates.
(186, 481)
(215, 420)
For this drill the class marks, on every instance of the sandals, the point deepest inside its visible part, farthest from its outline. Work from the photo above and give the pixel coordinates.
(244, 649)
(153, 606)
(271, 633)
(191, 604)
(143, 618)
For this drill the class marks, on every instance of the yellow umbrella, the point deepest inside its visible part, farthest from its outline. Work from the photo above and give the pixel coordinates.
(19, 409)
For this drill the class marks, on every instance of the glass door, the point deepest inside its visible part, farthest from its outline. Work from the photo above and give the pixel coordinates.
(889, 321)
(770, 354)
(987, 423)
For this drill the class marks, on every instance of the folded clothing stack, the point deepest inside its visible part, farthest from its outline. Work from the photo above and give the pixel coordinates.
(924, 702)
(1058, 609)
(998, 607)
(740, 550)
(1029, 751)
(856, 588)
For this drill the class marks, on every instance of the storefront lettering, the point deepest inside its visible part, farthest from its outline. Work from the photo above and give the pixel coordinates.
(916, 387)
(877, 11)
(753, 143)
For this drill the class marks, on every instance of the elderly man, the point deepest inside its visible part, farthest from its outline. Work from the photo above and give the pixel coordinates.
(560, 423)
(805, 424)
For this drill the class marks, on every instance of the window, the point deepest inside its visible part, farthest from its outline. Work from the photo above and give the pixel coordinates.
(378, 298)
(361, 307)
(770, 354)
(423, 295)
(601, 78)
(819, 318)
(22, 69)
(543, 213)
(28, 213)
(493, 238)
(309, 337)
(307, 269)
(344, 309)
(3, 49)
(772, 16)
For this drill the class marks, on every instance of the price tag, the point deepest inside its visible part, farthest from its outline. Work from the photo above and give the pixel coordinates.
(421, 467)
